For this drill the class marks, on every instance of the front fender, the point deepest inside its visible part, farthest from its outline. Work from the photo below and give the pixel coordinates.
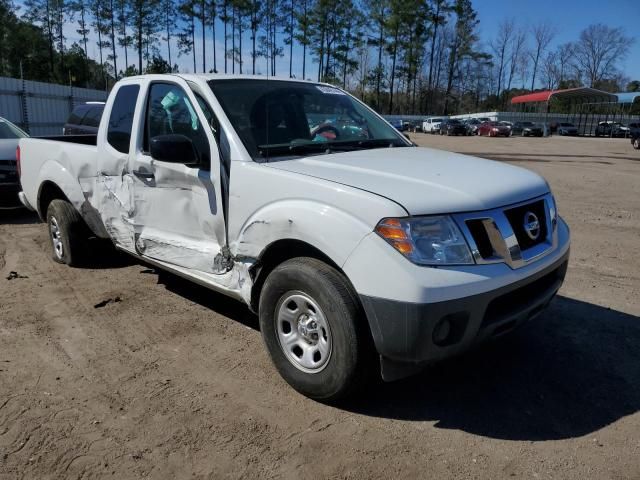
(331, 230)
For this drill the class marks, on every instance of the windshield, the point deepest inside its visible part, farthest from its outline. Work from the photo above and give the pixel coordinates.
(289, 119)
(8, 130)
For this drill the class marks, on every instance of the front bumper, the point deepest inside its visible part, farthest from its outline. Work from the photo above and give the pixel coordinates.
(420, 334)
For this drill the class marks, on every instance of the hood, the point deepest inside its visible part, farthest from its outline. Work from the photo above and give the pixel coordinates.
(424, 180)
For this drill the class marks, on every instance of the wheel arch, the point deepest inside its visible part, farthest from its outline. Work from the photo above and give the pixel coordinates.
(278, 252)
(48, 192)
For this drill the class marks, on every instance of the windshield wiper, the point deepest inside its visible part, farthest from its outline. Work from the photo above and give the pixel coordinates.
(368, 143)
(328, 147)
(291, 148)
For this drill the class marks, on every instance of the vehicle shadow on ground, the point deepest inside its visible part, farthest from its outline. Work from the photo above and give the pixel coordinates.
(210, 299)
(18, 216)
(571, 372)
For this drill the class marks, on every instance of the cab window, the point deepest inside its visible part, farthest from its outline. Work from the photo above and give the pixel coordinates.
(169, 111)
(121, 118)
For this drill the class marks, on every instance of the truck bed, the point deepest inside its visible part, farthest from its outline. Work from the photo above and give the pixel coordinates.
(70, 162)
(81, 139)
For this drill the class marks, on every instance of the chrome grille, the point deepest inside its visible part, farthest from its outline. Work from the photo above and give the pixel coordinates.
(500, 236)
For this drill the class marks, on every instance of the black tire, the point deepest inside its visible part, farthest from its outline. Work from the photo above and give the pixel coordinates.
(351, 361)
(73, 233)
(636, 143)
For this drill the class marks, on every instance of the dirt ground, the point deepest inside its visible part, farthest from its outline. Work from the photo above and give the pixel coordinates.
(125, 372)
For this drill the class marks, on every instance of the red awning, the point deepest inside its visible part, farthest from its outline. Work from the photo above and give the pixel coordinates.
(581, 92)
(533, 97)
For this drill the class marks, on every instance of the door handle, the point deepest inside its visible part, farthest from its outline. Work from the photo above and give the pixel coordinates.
(145, 175)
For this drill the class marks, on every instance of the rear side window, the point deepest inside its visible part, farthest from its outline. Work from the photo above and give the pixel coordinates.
(121, 118)
(92, 118)
(76, 116)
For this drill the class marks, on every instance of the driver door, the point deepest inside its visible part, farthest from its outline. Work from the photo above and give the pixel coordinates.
(178, 214)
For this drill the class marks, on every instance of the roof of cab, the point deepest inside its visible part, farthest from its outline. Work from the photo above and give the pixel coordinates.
(220, 76)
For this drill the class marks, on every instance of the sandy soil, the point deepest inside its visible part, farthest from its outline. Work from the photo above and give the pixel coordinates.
(125, 372)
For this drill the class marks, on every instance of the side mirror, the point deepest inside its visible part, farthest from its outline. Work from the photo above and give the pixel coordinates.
(173, 148)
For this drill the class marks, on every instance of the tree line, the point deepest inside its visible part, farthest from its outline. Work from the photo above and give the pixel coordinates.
(400, 56)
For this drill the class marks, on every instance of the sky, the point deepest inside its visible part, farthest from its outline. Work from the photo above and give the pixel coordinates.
(568, 17)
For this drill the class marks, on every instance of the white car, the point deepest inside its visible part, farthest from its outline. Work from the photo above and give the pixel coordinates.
(432, 125)
(362, 254)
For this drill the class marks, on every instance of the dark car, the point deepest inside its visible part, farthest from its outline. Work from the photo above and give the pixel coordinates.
(493, 129)
(453, 127)
(509, 125)
(84, 119)
(415, 126)
(472, 125)
(611, 129)
(567, 128)
(635, 135)
(397, 124)
(10, 135)
(526, 129)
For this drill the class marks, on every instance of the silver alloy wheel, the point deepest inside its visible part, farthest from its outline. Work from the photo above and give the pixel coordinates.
(303, 332)
(56, 237)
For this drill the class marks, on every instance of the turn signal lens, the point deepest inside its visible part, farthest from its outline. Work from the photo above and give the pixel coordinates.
(404, 248)
(392, 231)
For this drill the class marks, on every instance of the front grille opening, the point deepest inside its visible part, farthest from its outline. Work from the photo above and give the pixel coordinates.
(480, 236)
(505, 305)
(516, 219)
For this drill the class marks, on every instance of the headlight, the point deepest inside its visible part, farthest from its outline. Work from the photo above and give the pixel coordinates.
(426, 240)
(553, 211)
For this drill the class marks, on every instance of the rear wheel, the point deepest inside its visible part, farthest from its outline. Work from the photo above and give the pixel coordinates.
(636, 143)
(68, 233)
(314, 331)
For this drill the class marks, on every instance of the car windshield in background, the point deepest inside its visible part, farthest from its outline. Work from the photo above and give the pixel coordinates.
(7, 131)
(289, 119)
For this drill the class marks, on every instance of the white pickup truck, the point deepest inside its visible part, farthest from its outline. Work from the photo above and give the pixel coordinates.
(361, 253)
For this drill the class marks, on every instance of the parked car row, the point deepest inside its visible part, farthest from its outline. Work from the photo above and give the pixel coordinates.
(472, 126)
(483, 127)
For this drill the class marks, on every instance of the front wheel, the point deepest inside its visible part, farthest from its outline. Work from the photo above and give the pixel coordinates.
(636, 143)
(314, 331)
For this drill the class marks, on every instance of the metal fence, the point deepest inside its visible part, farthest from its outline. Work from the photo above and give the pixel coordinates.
(41, 108)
